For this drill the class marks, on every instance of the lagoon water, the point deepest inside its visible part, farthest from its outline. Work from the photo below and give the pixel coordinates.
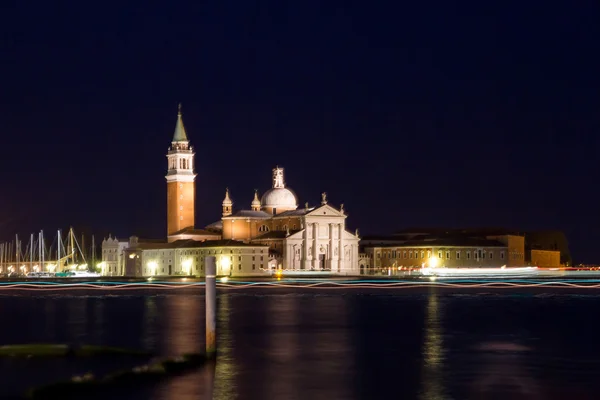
(328, 344)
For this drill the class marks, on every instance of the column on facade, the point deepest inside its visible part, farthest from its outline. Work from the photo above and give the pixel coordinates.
(331, 253)
(305, 246)
(341, 261)
(287, 251)
(315, 261)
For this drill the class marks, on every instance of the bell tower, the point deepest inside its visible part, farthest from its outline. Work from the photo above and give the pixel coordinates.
(180, 181)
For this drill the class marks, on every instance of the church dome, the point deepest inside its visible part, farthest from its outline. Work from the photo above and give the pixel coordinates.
(280, 198)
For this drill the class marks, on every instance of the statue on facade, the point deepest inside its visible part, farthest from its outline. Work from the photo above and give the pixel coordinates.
(324, 198)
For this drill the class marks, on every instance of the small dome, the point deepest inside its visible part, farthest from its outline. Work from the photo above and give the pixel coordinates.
(281, 198)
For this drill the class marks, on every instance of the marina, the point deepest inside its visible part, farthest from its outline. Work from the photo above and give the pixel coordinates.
(63, 256)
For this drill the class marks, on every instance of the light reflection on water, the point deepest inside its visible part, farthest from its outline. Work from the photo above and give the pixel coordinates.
(313, 345)
(433, 352)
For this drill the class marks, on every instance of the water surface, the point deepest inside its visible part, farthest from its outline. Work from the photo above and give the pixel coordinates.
(330, 344)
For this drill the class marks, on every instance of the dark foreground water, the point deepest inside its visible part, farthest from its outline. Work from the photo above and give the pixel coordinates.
(330, 345)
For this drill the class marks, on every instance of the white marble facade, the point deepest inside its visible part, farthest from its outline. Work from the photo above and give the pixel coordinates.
(322, 244)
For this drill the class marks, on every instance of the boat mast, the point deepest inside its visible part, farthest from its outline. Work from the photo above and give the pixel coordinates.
(58, 266)
(40, 252)
(72, 244)
(17, 251)
(42, 247)
(93, 254)
(31, 244)
(83, 247)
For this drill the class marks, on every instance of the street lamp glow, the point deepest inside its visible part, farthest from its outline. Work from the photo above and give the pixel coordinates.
(153, 266)
(433, 262)
(225, 262)
(102, 266)
(187, 266)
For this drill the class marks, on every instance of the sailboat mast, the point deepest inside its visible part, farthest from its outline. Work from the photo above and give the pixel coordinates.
(58, 266)
(17, 250)
(40, 252)
(93, 254)
(72, 244)
(42, 246)
(31, 243)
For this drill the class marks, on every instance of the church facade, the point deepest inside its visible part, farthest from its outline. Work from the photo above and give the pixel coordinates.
(309, 238)
(273, 234)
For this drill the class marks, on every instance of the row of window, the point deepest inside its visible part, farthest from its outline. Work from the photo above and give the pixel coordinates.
(197, 252)
(477, 254)
(265, 228)
(183, 163)
(196, 268)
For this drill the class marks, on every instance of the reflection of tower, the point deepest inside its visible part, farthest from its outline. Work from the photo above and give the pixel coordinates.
(227, 204)
(180, 181)
(183, 319)
(433, 352)
(226, 368)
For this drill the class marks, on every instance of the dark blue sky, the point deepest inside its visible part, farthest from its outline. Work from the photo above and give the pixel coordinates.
(428, 114)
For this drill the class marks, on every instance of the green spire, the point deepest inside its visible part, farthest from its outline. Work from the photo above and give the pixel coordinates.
(179, 135)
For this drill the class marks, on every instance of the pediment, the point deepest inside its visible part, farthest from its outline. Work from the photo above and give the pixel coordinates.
(325, 211)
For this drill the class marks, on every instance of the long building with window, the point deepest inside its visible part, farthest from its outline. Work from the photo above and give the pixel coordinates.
(412, 251)
(186, 258)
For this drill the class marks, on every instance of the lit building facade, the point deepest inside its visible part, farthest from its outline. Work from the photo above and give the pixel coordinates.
(113, 256)
(273, 234)
(186, 258)
(391, 254)
(311, 238)
(545, 258)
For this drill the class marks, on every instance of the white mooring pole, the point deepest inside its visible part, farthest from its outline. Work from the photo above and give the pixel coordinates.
(211, 306)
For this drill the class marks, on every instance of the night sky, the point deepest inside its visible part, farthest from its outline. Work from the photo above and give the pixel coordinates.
(429, 114)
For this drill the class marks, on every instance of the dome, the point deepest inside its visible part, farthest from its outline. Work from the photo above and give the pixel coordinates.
(281, 198)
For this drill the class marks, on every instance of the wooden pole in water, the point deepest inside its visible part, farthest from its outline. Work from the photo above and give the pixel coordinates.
(211, 306)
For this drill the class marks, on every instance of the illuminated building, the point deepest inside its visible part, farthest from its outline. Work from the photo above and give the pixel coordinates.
(113, 256)
(273, 234)
(411, 251)
(186, 258)
(310, 238)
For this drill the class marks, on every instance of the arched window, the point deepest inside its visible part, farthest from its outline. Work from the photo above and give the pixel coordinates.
(263, 228)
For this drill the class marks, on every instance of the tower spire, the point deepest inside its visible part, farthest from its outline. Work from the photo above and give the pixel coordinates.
(227, 204)
(255, 206)
(179, 135)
